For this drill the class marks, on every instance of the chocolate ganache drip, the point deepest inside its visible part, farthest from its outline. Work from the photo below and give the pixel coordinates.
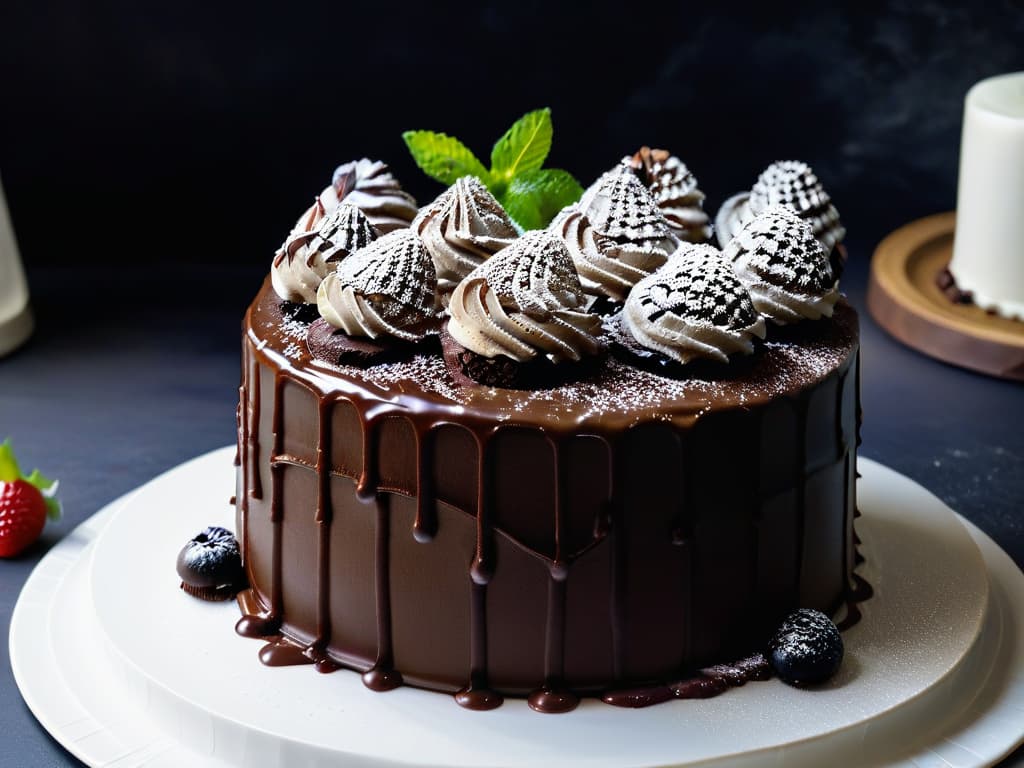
(387, 288)
(308, 256)
(524, 301)
(398, 539)
(674, 188)
(616, 234)
(462, 228)
(694, 307)
(785, 268)
(370, 186)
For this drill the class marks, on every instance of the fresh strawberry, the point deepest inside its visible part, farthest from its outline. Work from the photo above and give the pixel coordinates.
(25, 503)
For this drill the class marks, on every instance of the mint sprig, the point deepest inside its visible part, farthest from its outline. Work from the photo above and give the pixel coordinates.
(535, 197)
(523, 148)
(531, 194)
(443, 157)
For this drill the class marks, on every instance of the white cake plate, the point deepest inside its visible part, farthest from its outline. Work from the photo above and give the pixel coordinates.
(125, 670)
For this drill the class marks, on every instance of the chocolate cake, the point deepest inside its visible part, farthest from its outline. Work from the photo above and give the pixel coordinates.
(623, 525)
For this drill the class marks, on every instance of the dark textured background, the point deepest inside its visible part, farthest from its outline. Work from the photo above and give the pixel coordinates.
(154, 157)
(196, 131)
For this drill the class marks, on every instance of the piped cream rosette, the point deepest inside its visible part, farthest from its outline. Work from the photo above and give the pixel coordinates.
(525, 301)
(616, 235)
(784, 267)
(674, 188)
(461, 229)
(386, 289)
(787, 182)
(308, 256)
(370, 186)
(693, 308)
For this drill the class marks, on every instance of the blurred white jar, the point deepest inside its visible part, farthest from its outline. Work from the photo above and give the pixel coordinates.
(988, 249)
(15, 315)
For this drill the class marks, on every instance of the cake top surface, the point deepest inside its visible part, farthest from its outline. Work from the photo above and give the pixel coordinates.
(531, 300)
(612, 395)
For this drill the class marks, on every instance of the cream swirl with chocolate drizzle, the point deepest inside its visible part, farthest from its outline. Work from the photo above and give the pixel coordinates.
(370, 186)
(599, 274)
(674, 188)
(694, 307)
(387, 288)
(462, 228)
(525, 301)
(785, 268)
(787, 182)
(616, 235)
(308, 256)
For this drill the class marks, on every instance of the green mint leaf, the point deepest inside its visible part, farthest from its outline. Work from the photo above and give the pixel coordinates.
(443, 157)
(524, 147)
(535, 197)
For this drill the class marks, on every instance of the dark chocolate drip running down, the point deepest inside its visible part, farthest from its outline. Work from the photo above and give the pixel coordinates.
(381, 496)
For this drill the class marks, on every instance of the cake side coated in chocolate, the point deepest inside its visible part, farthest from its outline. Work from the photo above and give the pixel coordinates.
(620, 529)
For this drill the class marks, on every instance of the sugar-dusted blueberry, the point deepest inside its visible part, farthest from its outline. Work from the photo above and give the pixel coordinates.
(210, 565)
(806, 649)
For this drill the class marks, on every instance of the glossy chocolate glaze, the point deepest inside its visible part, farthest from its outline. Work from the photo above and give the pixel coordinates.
(609, 533)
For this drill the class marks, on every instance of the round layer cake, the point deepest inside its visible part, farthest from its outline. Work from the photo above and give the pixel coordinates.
(623, 527)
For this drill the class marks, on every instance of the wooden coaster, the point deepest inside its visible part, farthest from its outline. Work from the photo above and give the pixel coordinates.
(905, 299)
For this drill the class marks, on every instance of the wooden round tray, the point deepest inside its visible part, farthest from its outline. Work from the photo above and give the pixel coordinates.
(905, 299)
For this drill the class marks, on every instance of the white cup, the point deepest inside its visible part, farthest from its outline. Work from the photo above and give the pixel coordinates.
(988, 248)
(15, 315)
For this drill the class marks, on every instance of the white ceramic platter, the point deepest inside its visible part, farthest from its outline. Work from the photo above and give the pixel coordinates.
(125, 670)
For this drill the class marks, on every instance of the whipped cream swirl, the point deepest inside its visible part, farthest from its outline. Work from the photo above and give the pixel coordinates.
(525, 301)
(387, 288)
(462, 228)
(787, 182)
(784, 266)
(674, 188)
(694, 307)
(599, 274)
(616, 234)
(370, 186)
(308, 256)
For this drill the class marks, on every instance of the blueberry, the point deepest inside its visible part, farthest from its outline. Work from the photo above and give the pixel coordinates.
(210, 565)
(806, 649)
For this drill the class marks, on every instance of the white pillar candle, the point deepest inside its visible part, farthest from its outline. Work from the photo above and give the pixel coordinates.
(988, 249)
(15, 316)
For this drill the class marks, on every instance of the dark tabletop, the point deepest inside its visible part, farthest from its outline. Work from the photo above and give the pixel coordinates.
(133, 371)
(151, 149)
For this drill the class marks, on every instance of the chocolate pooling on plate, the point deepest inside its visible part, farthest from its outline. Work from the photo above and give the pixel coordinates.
(386, 289)
(674, 188)
(616, 235)
(308, 256)
(461, 229)
(693, 308)
(525, 301)
(784, 267)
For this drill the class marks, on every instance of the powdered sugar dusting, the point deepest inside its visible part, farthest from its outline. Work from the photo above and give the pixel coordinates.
(619, 389)
(614, 390)
(780, 248)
